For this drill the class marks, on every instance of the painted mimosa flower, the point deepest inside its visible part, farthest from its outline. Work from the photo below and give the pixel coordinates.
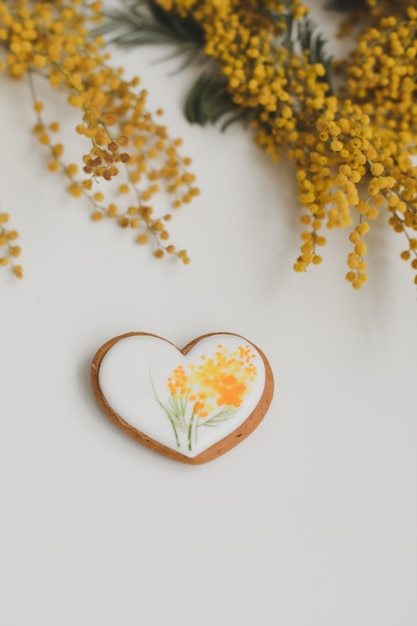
(209, 392)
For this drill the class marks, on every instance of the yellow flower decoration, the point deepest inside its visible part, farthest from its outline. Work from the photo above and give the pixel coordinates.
(210, 392)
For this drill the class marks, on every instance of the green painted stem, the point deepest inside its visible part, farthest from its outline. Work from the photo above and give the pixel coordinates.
(166, 411)
(175, 432)
(190, 432)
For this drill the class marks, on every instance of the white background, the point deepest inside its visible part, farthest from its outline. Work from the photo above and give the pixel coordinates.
(309, 522)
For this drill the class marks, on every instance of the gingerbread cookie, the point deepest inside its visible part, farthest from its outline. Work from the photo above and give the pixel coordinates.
(191, 405)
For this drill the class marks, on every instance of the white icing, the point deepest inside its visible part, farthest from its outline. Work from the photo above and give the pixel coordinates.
(134, 375)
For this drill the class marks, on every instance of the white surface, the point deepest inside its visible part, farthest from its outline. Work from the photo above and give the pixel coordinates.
(312, 520)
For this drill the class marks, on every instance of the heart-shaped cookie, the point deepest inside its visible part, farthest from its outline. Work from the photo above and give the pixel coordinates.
(190, 405)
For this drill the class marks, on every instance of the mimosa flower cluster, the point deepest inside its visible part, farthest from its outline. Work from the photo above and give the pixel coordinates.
(129, 156)
(351, 149)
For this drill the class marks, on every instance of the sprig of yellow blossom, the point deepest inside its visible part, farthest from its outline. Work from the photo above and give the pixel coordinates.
(9, 250)
(124, 141)
(352, 151)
